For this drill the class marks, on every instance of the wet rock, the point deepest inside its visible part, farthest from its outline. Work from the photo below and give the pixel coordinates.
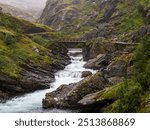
(100, 62)
(129, 49)
(86, 74)
(68, 96)
(3, 96)
(130, 71)
(55, 99)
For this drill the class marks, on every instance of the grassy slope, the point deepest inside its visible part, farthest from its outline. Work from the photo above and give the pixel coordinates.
(17, 48)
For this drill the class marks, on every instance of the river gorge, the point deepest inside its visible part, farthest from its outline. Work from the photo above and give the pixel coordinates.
(32, 102)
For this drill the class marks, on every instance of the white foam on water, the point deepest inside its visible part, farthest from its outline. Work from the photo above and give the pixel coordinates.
(33, 102)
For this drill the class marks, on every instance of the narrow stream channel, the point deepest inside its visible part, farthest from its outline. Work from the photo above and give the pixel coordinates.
(33, 102)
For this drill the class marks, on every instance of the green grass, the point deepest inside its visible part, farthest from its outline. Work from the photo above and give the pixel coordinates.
(132, 19)
(17, 47)
(110, 93)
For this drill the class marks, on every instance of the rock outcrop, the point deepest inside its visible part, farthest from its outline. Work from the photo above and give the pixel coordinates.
(70, 15)
(113, 68)
(68, 96)
(86, 74)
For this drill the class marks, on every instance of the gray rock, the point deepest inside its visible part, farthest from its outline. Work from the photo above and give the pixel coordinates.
(68, 96)
(115, 68)
(94, 49)
(115, 80)
(86, 74)
(88, 99)
(94, 63)
(100, 62)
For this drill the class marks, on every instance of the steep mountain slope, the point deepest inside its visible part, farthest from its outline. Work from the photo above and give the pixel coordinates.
(28, 56)
(17, 12)
(97, 18)
(70, 15)
(119, 19)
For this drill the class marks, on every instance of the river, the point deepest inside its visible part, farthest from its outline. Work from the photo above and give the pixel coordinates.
(32, 102)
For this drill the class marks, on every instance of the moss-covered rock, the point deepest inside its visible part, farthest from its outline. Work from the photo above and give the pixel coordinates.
(68, 96)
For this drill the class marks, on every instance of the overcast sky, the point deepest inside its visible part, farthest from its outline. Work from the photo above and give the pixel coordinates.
(25, 3)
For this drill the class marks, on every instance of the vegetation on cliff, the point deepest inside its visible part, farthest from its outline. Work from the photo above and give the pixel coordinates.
(115, 29)
(118, 45)
(24, 46)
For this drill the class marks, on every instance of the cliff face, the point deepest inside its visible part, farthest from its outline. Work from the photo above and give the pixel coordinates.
(70, 15)
(96, 18)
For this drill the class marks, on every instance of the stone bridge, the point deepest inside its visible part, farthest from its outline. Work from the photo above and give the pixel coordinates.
(81, 43)
(73, 43)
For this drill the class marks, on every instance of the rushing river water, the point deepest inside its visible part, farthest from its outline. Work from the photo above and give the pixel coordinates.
(33, 102)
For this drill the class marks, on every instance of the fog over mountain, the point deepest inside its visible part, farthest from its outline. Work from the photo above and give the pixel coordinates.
(33, 7)
(27, 4)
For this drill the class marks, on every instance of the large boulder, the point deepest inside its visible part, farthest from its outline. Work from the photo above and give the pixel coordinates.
(100, 100)
(68, 96)
(101, 61)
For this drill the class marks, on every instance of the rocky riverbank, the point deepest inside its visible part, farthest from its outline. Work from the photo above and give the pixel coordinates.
(112, 67)
(112, 34)
(33, 78)
(28, 57)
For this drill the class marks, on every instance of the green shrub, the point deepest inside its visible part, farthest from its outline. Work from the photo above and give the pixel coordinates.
(142, 63)
(129, 98)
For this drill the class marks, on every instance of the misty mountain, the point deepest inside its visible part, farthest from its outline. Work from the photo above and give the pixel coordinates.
(14, 11)
(32, 7)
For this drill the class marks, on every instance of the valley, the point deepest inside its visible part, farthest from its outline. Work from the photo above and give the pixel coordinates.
(85, 55)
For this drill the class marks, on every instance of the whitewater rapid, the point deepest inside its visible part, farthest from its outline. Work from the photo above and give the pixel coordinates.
(32, 102)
